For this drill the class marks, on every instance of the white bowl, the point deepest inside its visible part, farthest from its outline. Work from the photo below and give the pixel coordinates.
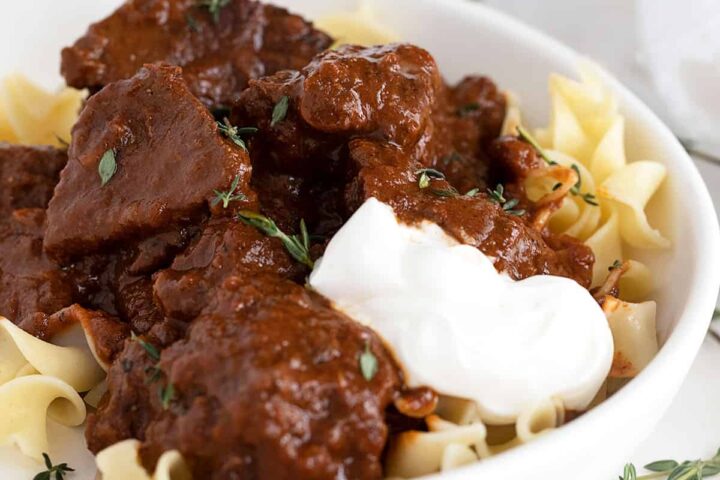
(469, 38)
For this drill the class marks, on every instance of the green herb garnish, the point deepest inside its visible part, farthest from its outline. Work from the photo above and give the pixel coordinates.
(368, 363)
(280, 110)
(297, 245)
(230, 195)
(616, 264)
(508, 205)
(151, 350)
(716, 315)
(62, 142)
(426, 174)
(107, 166)
(191, 22)
(525, 135)
(672, 470)
(167, 395)
(588, 198)
(235, 133)
(214, 7)
(466, 110)
(58, 470)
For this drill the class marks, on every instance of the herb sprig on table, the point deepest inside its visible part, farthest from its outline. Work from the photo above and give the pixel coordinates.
(57, 471)
(673, 470)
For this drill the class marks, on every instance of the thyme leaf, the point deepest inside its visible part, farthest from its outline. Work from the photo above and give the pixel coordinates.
(588, 198)
(167, 395)
(229, 196)
(214, 7)
(426, 174)
(368, 363)
(298, 246)
(525, 136)
(58, 470)
(107, 166)
(467, 109)
(191, 22)
(616, 264)
(235, 133)
(508, 205)
(151, 349)
(280, 110)
(672, 470)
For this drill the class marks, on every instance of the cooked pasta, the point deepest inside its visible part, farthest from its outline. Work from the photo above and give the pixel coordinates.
(634, 335)
(32, 116)
(122, 462)
(73, 365)
(40, 380)
(27, 402)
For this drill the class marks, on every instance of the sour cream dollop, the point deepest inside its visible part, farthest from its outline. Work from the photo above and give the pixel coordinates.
(457, 325)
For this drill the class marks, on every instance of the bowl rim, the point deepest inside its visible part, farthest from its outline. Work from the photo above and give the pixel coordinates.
(683, 343)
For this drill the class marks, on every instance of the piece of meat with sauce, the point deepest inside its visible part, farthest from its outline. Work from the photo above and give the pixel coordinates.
(337, 121)
(170, 159)
(248, 40)
(225, 253)
(32, 286)
(28, 176)
(266, 382)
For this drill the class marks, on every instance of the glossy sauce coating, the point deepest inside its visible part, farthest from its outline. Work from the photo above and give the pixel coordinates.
(249, 40)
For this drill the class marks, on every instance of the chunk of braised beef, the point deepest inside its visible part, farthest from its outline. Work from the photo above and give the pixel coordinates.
(225, 253)
(248, 40)
(32, 286)
(269, 389)
(28, 176)
(169, 157)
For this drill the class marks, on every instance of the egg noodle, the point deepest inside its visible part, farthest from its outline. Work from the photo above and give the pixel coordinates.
(586, 135)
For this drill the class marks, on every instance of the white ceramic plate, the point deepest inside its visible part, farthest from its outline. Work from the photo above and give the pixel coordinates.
(468, 38)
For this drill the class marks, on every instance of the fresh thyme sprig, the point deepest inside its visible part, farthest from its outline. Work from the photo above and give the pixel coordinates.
(467, 109)
(672, 470)
(425, 177)
(235, 133)
(426, 174)
(616, 264)
(498, 196)
(297, 245)
(149, 348)
(280, 110)
(167, 395)
(191, 22)
(58, 470)
(368, 363)
(588, 198)
(525, 136)
(214, 7)
(230, 195)
(107, 166)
